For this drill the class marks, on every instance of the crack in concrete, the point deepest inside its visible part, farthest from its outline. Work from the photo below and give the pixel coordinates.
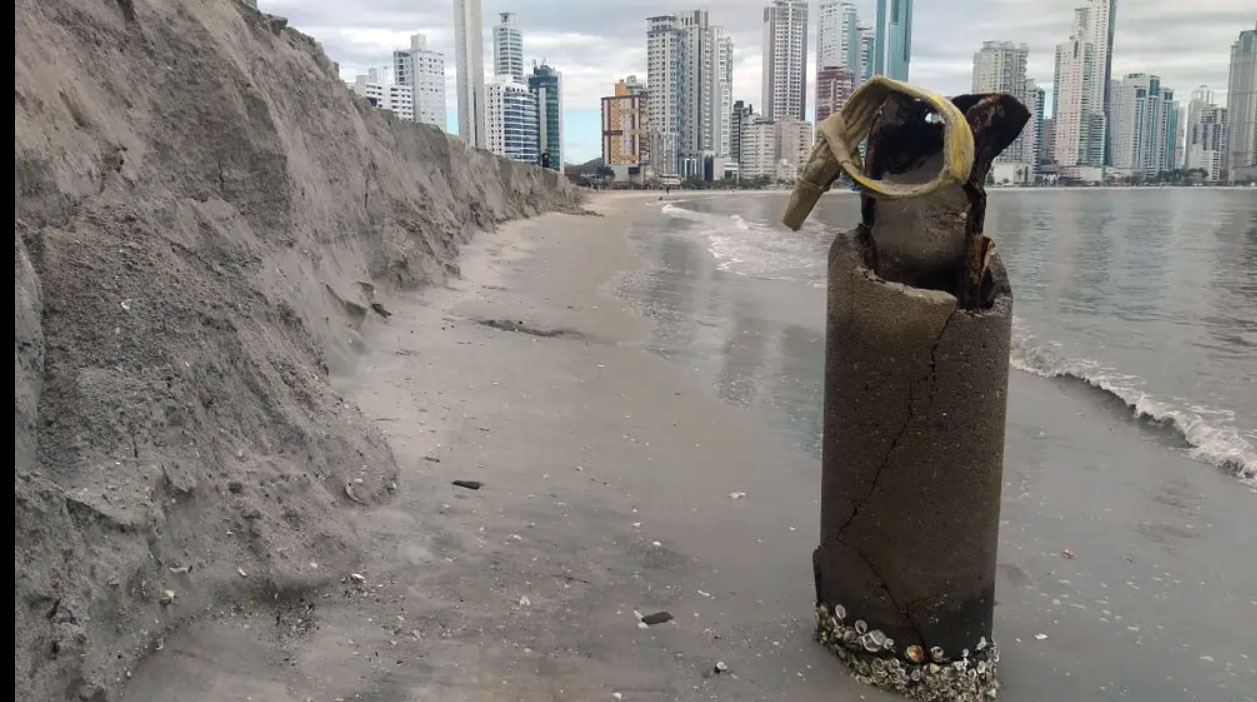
(929, 402)
(877, 475)
(903, 608)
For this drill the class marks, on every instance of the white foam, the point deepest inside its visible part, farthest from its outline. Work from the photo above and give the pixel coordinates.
(760, 251)
(757, 250)
(1211, 432)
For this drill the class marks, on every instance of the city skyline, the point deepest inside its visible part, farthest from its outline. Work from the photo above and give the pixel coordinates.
(594, 45)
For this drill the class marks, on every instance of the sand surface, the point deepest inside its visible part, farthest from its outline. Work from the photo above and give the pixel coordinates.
(608, 473)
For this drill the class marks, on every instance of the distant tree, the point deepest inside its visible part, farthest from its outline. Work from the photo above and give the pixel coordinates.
(604, 172)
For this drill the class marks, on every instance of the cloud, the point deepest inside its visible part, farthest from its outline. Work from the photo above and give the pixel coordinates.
(593, 43)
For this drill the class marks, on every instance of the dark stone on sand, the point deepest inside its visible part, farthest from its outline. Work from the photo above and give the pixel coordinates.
(469, 484)
(520, 326)
(431, 459)
(656, 618)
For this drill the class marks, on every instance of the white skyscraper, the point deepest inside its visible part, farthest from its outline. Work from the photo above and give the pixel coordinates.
(508, 48)
(1000, 67)
(1241, 109)
(759, 147)
(423, 70)
(689, 75)
(378, 87)
(511, 117)
(828, 33)
(1206, 141)
(1143, 117)
(469, 59)
(1081, 86)
(839, 56)
(785, 59)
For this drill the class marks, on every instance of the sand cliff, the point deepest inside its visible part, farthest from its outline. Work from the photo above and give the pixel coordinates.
(204, 219)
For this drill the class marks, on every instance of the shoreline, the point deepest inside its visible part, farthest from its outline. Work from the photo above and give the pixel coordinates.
(608, 476)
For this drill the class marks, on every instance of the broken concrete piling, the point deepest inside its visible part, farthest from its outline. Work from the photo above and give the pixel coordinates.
(916, 377)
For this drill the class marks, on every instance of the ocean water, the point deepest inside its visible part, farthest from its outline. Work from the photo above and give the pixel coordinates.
(1148, 295)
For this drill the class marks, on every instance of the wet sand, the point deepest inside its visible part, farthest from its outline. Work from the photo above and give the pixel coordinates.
(608, 471)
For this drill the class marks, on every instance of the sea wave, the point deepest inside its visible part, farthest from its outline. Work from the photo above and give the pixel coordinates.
(758, 250)
(1210, 432)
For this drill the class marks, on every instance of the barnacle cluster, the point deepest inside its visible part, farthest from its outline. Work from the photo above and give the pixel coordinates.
(931, 677)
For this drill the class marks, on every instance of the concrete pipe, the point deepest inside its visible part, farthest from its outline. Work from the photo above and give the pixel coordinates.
(916, 382)
(915, 396)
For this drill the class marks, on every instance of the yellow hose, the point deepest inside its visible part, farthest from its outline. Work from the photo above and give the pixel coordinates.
(843, 131)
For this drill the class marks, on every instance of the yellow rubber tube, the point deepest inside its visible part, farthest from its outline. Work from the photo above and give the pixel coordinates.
(843, 131)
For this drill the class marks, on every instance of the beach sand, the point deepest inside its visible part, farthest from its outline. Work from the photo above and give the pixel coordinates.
(609, 478)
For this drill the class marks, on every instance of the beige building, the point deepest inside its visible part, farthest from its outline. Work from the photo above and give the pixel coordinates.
(795, 139)
(774, 148)
(624, 132)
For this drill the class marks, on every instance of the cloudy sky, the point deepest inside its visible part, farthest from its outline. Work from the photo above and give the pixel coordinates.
(594, 42)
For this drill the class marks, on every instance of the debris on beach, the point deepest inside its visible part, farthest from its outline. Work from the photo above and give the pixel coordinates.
(1040, 636)
(524, 601)
(357, 578)
(349, 492)
(167, 597)
(720, 668)
(656, 618)
(737, 495)
(469, 484)
(1067, 554)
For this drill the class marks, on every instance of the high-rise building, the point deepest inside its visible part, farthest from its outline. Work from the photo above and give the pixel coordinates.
(423, 70)
(741, 113)
(759, 147)
(546, 86)
(1173, 129)
(469, 66)
(624, 132)
(378, 87)
(1204, 138)
(1000, 67)
(839, 62)
(1201, 98)
(511, 119)
(1241, 109)
(785, 59)
(689, 76)
(868, 45)
(892, 42)
(1180, 139)
(833, 86)
(1206, 142)
(1047, 148)
(1036, 116)
(663, 83)
(1081, 86)
(1143, 118)
(508, 47)
(828, 29)
(795, 138)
